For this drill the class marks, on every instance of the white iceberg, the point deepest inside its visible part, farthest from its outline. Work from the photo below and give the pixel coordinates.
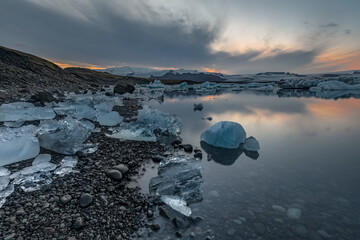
(17, 144)
(334, 85)
(224, 134)
(156, 84)
(251, 144)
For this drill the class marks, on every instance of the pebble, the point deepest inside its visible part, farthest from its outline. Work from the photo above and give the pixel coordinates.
(278, 208)
(79, 223)
(294, 213)
(114, 174)
(231, 231)
(188, 148)
(324, 234)
(300, 230)
(121, 167)
(198, 155)
(85, 200)
(157, 159)
(65, 199)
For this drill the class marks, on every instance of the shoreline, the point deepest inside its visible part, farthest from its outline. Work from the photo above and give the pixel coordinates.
(116, 211)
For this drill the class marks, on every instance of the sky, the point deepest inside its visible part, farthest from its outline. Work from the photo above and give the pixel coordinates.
(229, 36)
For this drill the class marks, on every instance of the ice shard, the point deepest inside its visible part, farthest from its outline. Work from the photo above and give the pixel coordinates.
(24, 111)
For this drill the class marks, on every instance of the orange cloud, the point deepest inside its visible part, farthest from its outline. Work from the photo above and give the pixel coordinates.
(76, 64)
(340, 60)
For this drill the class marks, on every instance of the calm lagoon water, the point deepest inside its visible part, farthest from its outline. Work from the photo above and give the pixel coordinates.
(309, 159)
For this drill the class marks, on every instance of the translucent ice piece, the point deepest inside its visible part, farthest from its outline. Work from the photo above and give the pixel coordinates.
(178, 176)
(4, 182)
(64, 136)
(177, 204)
(23, 111)
(41, 158)
(17, 144)
(224, 134)
(66, 166)
(5, 193)
(156, 84)
(35, 181)
(109, 119)
(4, 172)
(150, 125)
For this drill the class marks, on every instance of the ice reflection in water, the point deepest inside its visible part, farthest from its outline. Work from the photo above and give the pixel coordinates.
(308, 161)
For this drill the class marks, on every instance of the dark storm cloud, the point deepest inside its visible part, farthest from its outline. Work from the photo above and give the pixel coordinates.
(105, 37)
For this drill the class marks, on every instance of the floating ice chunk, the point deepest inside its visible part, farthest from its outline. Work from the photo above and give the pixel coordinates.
(178, 176)
(109, 119)
(5, 193)
(64, 136)
(224, 134)
(4, 172)
(17, 144)
(150, 125)
(41, 158)
(183, 86)
(4, 182)
(177, 204)
(209, 85)
(335, 85)
(251, 144)
(66, 166)
(198, 107)
(23, 111)
(156, 84)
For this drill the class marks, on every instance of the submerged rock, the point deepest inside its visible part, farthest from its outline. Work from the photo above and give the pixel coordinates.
(224, 134)
(198, 107)
(293, 213)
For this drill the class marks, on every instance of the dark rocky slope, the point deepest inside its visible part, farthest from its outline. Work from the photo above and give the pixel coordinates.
(22, 75)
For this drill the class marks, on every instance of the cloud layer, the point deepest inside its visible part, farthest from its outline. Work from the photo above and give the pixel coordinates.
(162, 34)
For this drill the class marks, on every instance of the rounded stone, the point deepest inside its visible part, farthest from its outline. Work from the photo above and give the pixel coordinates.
(85, 200)
(65, 199)
(122, 168)
(114, 174)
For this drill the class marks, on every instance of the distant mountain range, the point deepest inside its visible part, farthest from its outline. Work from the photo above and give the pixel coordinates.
(197, 76)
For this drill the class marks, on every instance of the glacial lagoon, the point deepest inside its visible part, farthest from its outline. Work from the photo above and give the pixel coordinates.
(304, 182)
